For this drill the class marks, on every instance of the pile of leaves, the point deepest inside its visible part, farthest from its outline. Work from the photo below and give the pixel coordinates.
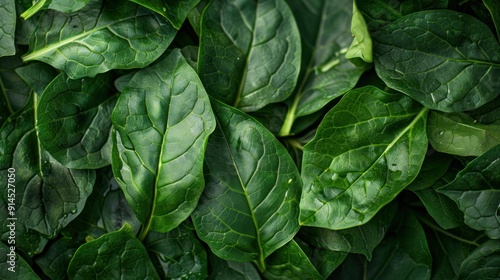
(250, 139)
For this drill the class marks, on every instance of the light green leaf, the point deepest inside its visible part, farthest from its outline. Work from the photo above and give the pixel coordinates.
(249, 52)
(65, 6)
(8, 27)
(74, 121)
(367, 149)
(178, 254)
(482, 263)
(13, 265)
(175, 11)
(459, 134)
(290, 262)
(494, 7)
(361, 45)
(116, 255)
(156, 160)
(476, 190)
(250, 205)
(455, 54)
(100, 38)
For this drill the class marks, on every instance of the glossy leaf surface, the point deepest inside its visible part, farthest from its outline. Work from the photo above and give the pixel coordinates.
(362, 44)
(176, 11)
(158, 162)
(250, 205)
(97, 41)
(249, 52)
(367, 149)
(476, 191)
(74, 120)
(483, 263)
(455, 54)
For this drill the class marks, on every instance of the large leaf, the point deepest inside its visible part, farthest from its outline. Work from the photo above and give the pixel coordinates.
(250, 205)
(249, 52)
(476, 190)
(48, 195)
(65, 6)
(162, 121)
(325, 73)
(74, 121)
(455, 54)
(13, 266)
(175, 11)
(100, 38)
(367, 149)
(494, 8)
(116, 255)
(482, 263)
(8, 27)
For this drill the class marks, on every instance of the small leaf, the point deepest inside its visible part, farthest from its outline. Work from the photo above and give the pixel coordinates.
(65, 6)
(8, 26)
(157, 161)
(249, 207)
(116, 255)
(249, 52)
(482, 263)
(433, 168)
(455, 54)
(476, 191)
(175, 11)
(367, 149)
(461, 135)
(100, 38)
(361, 45)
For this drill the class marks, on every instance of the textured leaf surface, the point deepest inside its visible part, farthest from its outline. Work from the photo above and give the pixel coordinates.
(116, 255)
(14, 90)
(476, 190)
(482, 263)
(65, 6)
(21, 268)
(459, 134)
(37, 75)
(120, 36)
(176, 11)
(494, 8)
(250, 205)
(228, 270)
(455, 54)
(74, 121)
(367, 149)
(7, 27)
(362, 44)
(249, 52)
(156, 160)
(55, 259)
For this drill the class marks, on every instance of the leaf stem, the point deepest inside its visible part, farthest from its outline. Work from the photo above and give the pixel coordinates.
(442, 231)
(33, 9)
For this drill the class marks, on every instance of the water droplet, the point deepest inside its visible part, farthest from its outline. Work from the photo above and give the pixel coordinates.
(290, 181)
(164, 9)
(74, 211)
(441, 132)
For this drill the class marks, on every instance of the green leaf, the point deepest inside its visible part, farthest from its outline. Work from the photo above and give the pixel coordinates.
(175, 11)
(8, 26)
(459, 134)
(100, 38)
(433, 168)
(116, 212)
(156, 160)
(116, 255)
(65, 6)
(14, 90)
(48, 195)
(325, 73)
(250, 204)
(228, 270)
(362, 44)
(476, 190)
(455, 54)
(37, 75)
(482, 263)
(494, 8)
(361, 239)
(367, 149)
(249, 52)
(13, 266)
(324, 260)
(55, 259)
(178, 254)
(290, 262)
(74, 121)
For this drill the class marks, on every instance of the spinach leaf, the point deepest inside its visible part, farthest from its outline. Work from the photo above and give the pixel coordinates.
(229, 270)
(483, 263)
(494, 8)
(367, 149)
(476, 192)
(14, 267)
(8, 27)
(455, 54)
(157, 162)
(175, 11)
(249, 52)
(56, 257)
(362, 44)
(65, 6)
(250, 205)
(98, 38)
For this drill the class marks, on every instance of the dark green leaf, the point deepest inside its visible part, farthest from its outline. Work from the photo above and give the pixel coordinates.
(250, 205)
(194, 16)
(228, 270)
(116, 255)
(249, 52)
(494, 8)
(483, 263)
(433, 168)
(65, 6)
(54, 260)
(455, 54)
(367, 149)
(8, 27)
(325, 261)
(290, 262)
(100, 38)
(14, 90)
(459, 134)
(178, 254)
(476, 190)
(37, 75)
(74, 121)
(156, 160)
(175, 11)
(13, 266)
(116, 212)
